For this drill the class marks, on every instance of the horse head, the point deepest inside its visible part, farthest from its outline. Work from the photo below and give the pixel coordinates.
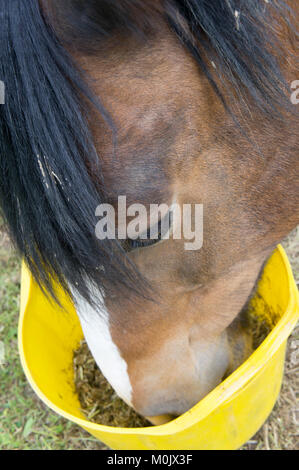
(164, 103)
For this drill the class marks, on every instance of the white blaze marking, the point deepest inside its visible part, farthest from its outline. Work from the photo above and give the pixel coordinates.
(106, 354)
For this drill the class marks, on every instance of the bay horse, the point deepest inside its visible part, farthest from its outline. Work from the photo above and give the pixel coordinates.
(157, 100)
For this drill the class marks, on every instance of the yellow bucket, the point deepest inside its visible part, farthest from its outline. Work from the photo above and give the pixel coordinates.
(225, 419)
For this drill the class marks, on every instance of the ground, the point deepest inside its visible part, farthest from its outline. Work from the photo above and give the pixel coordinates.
(27, 424)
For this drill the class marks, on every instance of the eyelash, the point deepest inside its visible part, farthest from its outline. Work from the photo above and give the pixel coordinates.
(130, 244)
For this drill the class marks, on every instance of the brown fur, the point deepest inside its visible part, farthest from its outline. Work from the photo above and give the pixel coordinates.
(176, 138)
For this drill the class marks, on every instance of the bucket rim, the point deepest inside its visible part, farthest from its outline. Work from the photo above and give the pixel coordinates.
(225, 391)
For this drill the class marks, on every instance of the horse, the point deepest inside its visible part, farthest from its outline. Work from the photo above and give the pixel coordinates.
(160, 101)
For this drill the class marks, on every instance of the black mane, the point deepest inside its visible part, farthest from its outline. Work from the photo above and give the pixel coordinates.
(47, 196)
(236, 36)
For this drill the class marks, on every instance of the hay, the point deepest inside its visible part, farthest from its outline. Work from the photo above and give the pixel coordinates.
(99, 402)
(262, 324)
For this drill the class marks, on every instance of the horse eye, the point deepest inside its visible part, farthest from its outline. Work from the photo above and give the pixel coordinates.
(130, 244)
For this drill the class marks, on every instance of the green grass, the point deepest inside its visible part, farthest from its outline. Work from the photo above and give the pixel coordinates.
(27, 424)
